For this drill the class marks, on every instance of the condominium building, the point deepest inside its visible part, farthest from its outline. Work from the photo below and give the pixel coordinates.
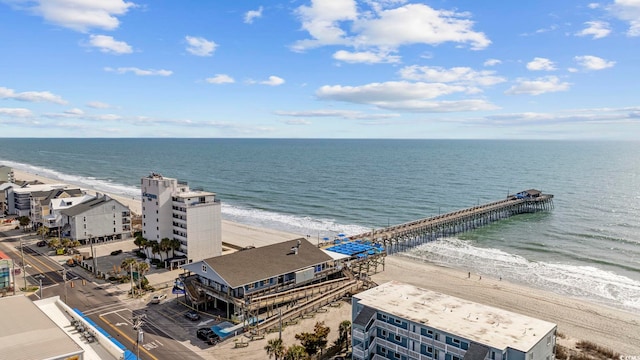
(99, 219)
(19, 198)
(401, 321)
(6, 174)
(39, 202)
(171, 210)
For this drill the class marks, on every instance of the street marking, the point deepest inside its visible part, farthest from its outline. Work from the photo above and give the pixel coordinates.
(133, 342)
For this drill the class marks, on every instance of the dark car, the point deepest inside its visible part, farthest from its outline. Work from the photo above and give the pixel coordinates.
(192, 315)
(41, 243)
(116, 252)
(208, 335)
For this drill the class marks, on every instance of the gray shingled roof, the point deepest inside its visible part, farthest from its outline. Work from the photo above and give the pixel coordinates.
(57, 192)
(252, 265)
(82, 207)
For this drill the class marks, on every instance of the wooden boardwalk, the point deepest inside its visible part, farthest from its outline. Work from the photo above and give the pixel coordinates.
(400, 237)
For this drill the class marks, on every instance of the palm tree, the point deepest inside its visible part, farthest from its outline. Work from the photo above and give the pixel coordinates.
(42, 231)
(275, 348)
(140, 242)
(65, 242)
(295, 352)
(344, 330)
(54, 243)
(165, 245)
(75, 243)
(155, 248)
(143, 267)
(175, 244)
(126, 264)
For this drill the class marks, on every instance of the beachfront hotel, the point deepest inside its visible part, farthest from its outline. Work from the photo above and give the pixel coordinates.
(401, 321)
(171, 210)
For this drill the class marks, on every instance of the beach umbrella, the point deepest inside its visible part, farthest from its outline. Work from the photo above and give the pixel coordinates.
(341, 235)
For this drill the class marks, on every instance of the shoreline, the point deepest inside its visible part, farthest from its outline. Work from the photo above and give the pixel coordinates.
(577, 319)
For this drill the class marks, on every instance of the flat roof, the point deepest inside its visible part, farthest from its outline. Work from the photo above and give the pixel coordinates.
(23, 325)
(484, 324)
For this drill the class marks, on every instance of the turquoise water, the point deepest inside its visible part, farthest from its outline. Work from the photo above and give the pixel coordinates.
(588, 246)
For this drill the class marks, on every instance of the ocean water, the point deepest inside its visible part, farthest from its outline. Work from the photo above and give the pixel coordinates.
(588, 246)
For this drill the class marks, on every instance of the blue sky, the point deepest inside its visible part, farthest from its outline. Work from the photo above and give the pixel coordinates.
(547, 69)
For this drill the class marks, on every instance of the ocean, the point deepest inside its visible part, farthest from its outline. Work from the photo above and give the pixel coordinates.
(588, 246)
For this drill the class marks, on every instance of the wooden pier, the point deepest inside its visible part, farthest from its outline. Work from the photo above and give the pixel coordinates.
(400, 237)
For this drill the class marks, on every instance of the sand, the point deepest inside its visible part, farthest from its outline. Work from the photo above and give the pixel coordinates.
(576, 319)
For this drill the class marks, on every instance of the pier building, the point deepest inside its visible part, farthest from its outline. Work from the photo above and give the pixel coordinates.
(170, 209)
(401, 321)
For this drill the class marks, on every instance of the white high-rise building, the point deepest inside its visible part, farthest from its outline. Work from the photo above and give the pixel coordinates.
(171, 210)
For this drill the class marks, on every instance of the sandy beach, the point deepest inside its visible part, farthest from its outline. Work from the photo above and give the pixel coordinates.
(576, 319)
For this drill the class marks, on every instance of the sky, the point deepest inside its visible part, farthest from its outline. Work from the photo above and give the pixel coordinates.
(467, 69)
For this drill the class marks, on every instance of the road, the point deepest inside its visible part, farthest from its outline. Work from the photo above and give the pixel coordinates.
(164, 326)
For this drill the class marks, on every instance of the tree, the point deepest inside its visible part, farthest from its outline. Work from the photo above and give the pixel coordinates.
(24, 222)
(295, 352)
(42, 231)
(175, 244)
(75, 243)
(155, 247)
(54, 243)
(143, 267)
(65, 242)
(315, 341)
(275, 348)
(140, 242)
(165, 245)
(126, 265)
(344, 331)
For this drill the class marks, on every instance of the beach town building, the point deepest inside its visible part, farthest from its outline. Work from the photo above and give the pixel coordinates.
(49, 329)
(6, 273)
(4, 208)
(401, 321)
(53, 221)
(96, 220)
(39, 202)
(170, 209)
(6, 174)
(19, 198)
(242, 283)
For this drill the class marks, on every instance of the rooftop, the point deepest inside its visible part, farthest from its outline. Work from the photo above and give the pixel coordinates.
(484, 324)
(251, 265)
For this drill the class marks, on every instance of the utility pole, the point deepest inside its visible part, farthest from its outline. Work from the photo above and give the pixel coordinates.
(137, 326)
(39, 277)
(280, 330)
(131, 273)
(64, 277)
(93, 256)
(24, 266)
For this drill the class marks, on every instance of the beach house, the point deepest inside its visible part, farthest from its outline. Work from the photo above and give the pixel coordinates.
(171, 210)
(233, 281)
(99, 219)
(401, 321)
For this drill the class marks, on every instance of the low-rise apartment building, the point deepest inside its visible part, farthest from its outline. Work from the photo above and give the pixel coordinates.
(404, 322)
(99, 219)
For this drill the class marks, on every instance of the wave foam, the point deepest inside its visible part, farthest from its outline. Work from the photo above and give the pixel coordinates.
(580, 281)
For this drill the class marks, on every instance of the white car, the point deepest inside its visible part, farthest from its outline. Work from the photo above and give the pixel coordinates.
(157, 298)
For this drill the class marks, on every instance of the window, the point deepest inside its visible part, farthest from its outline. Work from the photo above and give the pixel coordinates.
(114, 230)
(397, 338)
(397, 321)
(383, 317)
(493, 355)
(437, 337)
(114, 222)
(383, 351)
(204, 268)
(383, 333)
(396, 355)
(456, 341)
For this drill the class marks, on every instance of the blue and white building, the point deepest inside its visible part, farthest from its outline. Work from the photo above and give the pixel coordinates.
(404, 322)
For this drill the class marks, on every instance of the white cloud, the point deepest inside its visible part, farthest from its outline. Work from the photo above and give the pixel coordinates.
(15, 112)
(98, 105)
(250, 15)
(403, 96)
(367, 57)
(74, 112)
(538, 86)
(31, 96)
(628, 10)
(220, 79)
(200, 46)
(539, 63)
(108, 44)
(456, 75)
(572, 70)
(345, 114)
(593, 5)
(590, 62)
(492, 62)
(139, 72)
(273, 81)
(597, 29)
(384, 28)
(81, 15)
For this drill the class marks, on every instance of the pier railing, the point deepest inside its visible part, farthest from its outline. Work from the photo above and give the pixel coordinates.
(399, 237)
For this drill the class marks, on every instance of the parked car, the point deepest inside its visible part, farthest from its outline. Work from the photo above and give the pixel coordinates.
(116, 252)
(192, 315)
(208, 335)
(41, 243)
(157, 298)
